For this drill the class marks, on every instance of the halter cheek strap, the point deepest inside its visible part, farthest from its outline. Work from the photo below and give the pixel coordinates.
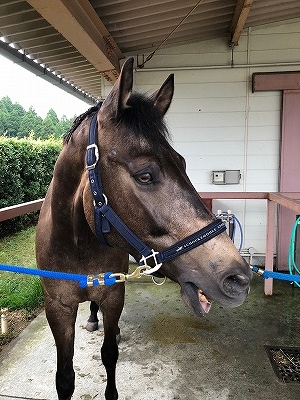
(92, 158)
(104, 215)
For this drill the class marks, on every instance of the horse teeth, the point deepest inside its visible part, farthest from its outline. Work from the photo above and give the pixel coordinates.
(202, 296)
(204, 301)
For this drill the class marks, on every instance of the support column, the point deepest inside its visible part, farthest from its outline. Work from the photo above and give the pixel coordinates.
(289, 180)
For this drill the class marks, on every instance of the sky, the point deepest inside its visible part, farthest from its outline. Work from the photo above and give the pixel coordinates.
(27, 89)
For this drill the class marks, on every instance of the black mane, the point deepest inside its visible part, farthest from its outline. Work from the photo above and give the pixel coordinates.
(91, 111)
(140, 118)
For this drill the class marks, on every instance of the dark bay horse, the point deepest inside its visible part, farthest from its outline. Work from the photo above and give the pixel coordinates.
(145, 183)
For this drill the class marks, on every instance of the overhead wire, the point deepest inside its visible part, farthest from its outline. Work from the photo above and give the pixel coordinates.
(148, 58)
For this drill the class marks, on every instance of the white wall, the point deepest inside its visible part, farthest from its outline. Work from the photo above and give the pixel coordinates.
(218, 123)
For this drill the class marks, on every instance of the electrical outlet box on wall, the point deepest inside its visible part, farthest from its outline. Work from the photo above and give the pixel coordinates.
(226, 177)
(218, 177)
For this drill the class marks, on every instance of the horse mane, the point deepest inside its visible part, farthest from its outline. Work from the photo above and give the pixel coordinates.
(91, 111)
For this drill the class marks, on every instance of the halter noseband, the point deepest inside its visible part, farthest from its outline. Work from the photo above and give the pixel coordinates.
(104, 215)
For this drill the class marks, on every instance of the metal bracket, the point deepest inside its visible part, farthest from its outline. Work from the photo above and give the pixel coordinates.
(149, 270)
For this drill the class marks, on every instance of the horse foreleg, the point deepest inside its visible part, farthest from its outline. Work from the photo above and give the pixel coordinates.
(111, 310)
(110, 354)
(61, 319)
(92, 323)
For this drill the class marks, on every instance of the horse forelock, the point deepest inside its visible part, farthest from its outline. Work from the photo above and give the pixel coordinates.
(139, 119)
(142, 121)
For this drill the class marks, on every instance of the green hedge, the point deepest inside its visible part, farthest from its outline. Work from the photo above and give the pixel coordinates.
(26, 168)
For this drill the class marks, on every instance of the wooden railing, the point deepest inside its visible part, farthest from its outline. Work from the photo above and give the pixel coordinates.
(20, 209)
(288, 200)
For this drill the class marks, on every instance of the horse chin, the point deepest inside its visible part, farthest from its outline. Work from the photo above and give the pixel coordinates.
(195, 299)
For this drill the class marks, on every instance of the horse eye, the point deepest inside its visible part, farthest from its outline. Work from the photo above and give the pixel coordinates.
(144, 178)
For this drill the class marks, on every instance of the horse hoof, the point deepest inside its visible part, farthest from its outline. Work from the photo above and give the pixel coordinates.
(91, 326)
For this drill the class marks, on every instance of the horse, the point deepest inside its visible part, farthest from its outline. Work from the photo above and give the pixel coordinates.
(126, 191)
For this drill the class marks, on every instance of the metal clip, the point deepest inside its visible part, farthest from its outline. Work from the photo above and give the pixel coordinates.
(136, 274)
(95, 147)
(98, 279)
(119, 277)
(258, 271)
(95, 280)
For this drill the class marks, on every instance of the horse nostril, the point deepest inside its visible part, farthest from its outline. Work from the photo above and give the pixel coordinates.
(236, 284)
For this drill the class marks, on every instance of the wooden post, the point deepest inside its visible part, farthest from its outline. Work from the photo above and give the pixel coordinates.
(288, 82)
(268, 284)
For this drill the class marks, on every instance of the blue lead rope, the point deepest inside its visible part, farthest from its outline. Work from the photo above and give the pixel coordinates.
(108, 280)
(81, 279)
(276, 275)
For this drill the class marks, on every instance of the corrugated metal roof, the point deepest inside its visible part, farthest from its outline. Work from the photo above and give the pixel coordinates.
(269, 11)
(65, 36)
(138, 24)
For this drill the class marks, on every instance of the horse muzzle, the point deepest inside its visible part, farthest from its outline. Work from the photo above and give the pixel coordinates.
(231, 291)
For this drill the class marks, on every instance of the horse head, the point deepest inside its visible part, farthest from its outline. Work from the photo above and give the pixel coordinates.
(146, 183)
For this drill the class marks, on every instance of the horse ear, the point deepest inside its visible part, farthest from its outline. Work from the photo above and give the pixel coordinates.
(117, 99)
(163, 97)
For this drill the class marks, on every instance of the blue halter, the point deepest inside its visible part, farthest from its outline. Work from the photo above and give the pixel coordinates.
(104, 215)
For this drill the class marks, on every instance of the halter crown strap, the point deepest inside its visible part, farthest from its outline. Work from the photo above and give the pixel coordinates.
(105, 215)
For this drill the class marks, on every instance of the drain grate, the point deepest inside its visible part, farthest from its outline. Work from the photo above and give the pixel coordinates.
(285, 362)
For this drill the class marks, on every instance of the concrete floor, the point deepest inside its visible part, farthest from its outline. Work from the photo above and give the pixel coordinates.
(166, 352)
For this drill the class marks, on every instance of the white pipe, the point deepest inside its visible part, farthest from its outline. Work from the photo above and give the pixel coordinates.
(245, 253)
(4, 322)
(208, 67)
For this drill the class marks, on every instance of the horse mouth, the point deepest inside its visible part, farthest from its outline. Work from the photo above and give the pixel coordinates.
(195, 299)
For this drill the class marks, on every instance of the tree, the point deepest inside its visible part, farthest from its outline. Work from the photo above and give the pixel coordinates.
(6, 104)
(15, 121)
(50, 124)
(64, 126)
(11, 115)
(30, 123)
(3, 121)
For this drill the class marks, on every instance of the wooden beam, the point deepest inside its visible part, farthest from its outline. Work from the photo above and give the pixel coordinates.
(239, 19)
(78, 22)
(263, 81)
(20, 209)
(234, 195)
(288, 202)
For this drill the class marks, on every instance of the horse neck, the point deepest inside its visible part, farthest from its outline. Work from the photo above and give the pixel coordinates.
(70, 166)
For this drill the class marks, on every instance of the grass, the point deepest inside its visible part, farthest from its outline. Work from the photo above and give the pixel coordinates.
(19, 291)
(19, 249)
